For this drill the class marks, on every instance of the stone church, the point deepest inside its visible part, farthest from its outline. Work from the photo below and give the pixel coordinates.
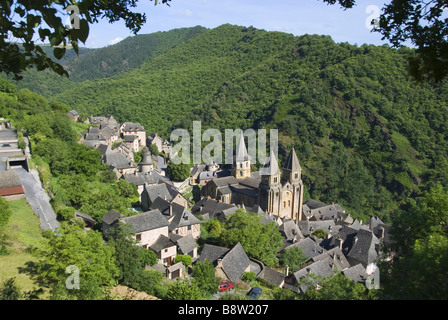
(274, 190)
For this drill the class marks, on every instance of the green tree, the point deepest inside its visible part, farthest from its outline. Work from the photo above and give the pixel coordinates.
(5, 213)
(9, 290)
(130, 258)
(185, 289)
(420, 243)
(211, 230)
(25, 20)
(293, 257)
(154, 150)
(66, 214)
(205, 278)
(320, 233)
(259, 240)
(420, 22)
(178, 172)
(185, 259)
(72, 247)
(339, 287)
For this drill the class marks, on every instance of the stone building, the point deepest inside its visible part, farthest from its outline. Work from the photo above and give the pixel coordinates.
(276, 191)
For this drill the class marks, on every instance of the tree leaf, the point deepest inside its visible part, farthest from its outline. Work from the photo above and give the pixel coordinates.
(59, 52)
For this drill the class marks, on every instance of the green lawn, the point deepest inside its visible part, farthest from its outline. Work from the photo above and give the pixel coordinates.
(22, 233)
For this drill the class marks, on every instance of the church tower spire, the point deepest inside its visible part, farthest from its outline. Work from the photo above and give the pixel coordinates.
(292, 171)
(269, 189)
(292, 174)
(241, 164)
(270, 173)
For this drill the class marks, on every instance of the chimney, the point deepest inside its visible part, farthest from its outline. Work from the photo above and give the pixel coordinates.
(219, 264)
(287, 271)
(338, 242)
(382, 230)
(171, 210)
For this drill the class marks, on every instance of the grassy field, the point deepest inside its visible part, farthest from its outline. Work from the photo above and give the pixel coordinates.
(22, 233)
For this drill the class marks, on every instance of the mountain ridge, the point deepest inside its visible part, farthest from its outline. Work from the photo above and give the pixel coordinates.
(366, 135)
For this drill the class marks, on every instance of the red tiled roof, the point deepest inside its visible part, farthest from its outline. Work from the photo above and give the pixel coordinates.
(12, 191)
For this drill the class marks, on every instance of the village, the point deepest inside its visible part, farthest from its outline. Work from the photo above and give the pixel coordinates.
(170, 217)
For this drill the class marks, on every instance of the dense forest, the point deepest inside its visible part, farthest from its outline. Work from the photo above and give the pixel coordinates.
(71, 172)
(366, 135)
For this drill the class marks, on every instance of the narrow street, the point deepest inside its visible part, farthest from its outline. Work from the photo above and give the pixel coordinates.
(38, 198)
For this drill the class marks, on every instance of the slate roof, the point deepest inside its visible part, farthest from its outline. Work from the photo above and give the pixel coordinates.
(197, 169)
(158, 190)
(310, 248)
(111, 217)
(186, 244)
(336, 255)
(321, 268)
(290, 230)
(131, 126)
(239, 188)
(212, 253)
(291, 162)
(307, 227)
(146, 221)
(364, 247)
(162, 205)
(224, 181)
(85, 217)
(241, 151)
(129, 138)
(273, 277)
(9, 179)
(250, 182)
(141, 178)
(271, 166)
(314, 204)
(147, 158)
(235, 262)
(186, 218)
(206, 175)
(118, 160)
(212, 207)
(357, 273)
(347, 235)
(161, 243)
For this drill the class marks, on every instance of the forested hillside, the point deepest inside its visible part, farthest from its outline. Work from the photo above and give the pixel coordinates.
(366, 136)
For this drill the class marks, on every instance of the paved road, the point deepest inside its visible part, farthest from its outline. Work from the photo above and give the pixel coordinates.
(38, 199)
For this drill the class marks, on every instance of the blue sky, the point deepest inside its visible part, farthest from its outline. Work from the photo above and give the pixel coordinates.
(297, 17)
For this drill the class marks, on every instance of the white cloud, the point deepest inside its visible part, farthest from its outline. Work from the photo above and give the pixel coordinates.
(114, 41)
(186, 13)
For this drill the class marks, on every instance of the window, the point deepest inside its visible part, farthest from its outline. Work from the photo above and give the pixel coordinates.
(284, 204)
(289, 203)
(138, 236)
(189, 228)
(275, 179)
(296, 176)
